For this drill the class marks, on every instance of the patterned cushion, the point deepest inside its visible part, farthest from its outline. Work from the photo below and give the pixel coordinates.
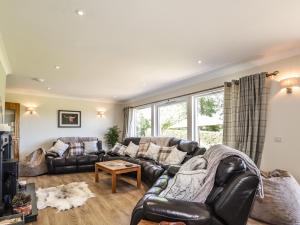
(175, 157)
(59, 147)
(164, 152)
(132, 150)
(143, 149)
(153, 151)
(118, 149)
(76, 149)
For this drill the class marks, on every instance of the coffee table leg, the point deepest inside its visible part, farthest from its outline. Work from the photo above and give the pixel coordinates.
(138, 177)
(96, 174)
(113, 182)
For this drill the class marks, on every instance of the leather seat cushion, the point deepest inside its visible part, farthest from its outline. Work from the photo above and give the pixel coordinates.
(71, 161)
(59, 161)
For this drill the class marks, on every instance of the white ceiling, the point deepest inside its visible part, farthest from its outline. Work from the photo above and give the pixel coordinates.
(124, 48)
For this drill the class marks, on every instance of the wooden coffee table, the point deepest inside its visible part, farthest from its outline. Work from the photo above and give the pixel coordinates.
(116, 167)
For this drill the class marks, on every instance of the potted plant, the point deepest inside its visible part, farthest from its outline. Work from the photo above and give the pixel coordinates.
(112, 136)
(21, 203)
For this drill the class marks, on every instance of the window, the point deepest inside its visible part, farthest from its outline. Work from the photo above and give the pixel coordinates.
(142, 121)
(172, 119)
(209, 118)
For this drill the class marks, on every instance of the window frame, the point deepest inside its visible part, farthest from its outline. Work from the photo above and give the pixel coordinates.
(166, 103)
(195, 110)
(135, 119)
(191, 109)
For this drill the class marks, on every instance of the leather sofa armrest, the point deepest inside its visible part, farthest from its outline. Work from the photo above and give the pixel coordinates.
(162, 209)
(238, 195)
(172, 170)
(51, 154)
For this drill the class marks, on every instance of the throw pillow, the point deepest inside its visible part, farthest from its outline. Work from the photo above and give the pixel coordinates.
(153, 151)
(142, 149)
(164, 152)
(59, 147)
(76, 148)
(90, 146)
(132, 150)
(176, 157)
(122, 150)
(118, 149)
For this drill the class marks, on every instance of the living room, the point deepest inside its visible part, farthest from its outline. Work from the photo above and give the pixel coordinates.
(106, 105)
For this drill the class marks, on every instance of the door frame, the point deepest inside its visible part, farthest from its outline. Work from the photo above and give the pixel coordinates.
(16, 138)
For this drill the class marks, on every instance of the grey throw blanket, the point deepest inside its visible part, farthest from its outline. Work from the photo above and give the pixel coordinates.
(195, 179)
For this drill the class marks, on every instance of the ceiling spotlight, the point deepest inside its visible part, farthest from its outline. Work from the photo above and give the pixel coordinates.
(48, 88)
(40, 80)
(80, 12)
(199, 62)
(57, 67)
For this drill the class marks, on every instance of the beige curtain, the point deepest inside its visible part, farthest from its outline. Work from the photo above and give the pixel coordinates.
(128, 119)
(245, 114)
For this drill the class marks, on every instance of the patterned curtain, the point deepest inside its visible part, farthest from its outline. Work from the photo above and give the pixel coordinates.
(245, 115)
(127, 127)
(231, 106)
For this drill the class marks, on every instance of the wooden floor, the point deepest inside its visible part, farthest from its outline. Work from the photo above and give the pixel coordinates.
(105, 209)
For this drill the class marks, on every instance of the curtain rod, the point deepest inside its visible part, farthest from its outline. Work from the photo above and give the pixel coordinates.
(179, 96)
(195, 92)
(272, 74)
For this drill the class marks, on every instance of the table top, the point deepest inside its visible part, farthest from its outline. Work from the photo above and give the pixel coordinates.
(114, 165)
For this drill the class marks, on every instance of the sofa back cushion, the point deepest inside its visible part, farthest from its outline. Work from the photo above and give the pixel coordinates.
(134, 140)
(228, 168)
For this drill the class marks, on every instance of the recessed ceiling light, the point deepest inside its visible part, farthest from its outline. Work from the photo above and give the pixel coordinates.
(57, 67)
(199, 61)
(114, 96)
(48, 88)
(40, 80)
(80, 12)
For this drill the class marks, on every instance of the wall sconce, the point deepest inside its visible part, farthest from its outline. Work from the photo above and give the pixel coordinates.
(100, 114)
(289, 83)
(31, 110)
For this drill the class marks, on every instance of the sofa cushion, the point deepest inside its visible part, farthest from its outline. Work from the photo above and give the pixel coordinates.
(175, 157)
(76, 148)
(90, 146)
(143, 147)
(71, 160)
(153, 151)
(187, 146)
(135, 140)
(59, 161)
(131, 150)
(59, 147)
(174, 141)
(164, 152)
(83, 160)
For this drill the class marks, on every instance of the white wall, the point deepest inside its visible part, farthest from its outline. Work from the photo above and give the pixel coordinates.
(283, 118)
(41, 129)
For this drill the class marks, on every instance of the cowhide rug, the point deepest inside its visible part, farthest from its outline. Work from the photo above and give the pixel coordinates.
(64, 197)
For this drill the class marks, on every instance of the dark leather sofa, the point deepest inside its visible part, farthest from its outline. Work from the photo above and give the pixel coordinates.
(229, 202)
(151, 170)
(70, 164)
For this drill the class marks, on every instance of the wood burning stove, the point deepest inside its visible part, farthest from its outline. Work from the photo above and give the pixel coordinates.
(8, 172)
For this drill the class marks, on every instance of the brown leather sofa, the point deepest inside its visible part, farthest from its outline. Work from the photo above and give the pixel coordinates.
(152, 170)
(228, 203)
(71, 164)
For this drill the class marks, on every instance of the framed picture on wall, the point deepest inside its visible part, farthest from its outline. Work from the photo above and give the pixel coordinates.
(69, 119)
